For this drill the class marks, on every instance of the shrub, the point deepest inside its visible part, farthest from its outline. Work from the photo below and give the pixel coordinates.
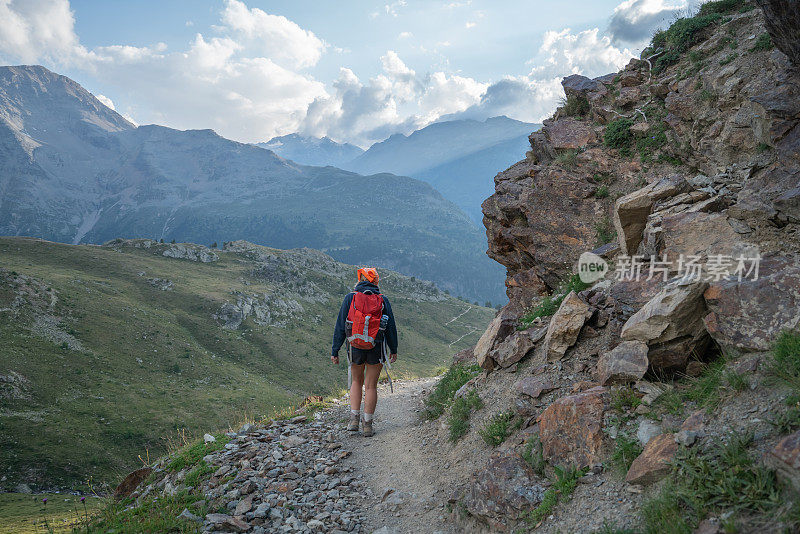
(549, 305)
(604, 231)
(618, 134)
(788, 420)
(567, 159)
(496, 429)
(602, 192)
(763, 43)
(564, 482)
(680, 36)
(575, 105)
(442, 395)
(723, 477)
(723, 7)
(459, 414)
(626, 449)
(533, 455)
(785, 362)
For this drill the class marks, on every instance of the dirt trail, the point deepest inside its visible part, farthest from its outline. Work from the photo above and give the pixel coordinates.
(399, 457)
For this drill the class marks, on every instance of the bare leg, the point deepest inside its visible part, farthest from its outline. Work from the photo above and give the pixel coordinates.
(371, 382)
(357, 372)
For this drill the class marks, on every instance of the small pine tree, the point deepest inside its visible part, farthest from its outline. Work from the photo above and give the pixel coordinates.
(162, 239)
(214, 244)
(173, 241)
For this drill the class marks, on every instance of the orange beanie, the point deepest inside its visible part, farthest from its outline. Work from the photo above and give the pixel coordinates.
(369, 274)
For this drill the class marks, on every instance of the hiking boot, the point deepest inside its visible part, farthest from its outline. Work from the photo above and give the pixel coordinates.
(352, 425)
(367, 430)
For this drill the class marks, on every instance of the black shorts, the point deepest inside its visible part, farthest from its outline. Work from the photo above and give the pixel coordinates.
(371, 357)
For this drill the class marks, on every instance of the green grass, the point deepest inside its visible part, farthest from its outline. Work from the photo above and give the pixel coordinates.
(550, 304)
(626, 449)
(26, 514)
(611, 528)
(722, 478)
(154, 515)
(458, 421)
(624, 399)
(787, 420)
(763, 43)
(497, 429)
(443, 394)
(602, 192)
(575, 105)
(533, 455)
(567, 159)
(564, 481)
(156, 362)
(686, 32)
(604, 230)
(191, 454)
(785, 362)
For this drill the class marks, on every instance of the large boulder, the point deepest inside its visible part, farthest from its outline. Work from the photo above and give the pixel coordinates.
(533, 386)
(503, 491)
(631, 211)
(516, 346)
(571, 428)
(568, 134)
(131, 482)
(578, 85)
(566, 324)
(785, 459)
(524, 235)
(699, 234)
(498, 330)
(653, 464)
(627, 362)
(750, 314)
(671, 324)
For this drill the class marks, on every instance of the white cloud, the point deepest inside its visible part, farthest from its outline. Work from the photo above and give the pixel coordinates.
(634, 21)
(470, 24)
(106, 101)
(397, 100)
(587, 52)
(393, 8)
(272, 36)
(249, 80)
(36, 30)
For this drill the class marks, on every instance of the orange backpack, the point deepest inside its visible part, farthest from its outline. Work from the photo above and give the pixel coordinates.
(364, 320)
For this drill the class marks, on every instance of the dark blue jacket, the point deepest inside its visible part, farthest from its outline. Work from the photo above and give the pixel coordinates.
(339, 333)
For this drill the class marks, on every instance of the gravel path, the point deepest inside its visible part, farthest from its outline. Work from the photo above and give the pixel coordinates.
(398, 461)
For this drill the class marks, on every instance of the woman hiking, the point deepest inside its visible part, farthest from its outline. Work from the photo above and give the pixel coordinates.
(367, 323)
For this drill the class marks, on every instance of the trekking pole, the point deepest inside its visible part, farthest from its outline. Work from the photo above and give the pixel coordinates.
(349, 370)
(387, 366)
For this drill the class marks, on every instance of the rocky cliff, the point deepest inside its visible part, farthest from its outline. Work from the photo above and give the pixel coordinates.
(680, 174)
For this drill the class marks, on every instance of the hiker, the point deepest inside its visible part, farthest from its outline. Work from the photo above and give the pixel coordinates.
(367, 324)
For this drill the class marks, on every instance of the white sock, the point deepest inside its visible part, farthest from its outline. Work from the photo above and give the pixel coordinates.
(355, 412)
(368, 416)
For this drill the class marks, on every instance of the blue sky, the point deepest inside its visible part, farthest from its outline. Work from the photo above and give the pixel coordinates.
(356, 71)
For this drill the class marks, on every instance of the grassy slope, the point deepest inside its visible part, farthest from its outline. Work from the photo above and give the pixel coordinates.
(23, 514)
(155, 361)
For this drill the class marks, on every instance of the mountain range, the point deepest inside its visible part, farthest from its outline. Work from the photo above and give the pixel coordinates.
(458, 158)
(73, 170)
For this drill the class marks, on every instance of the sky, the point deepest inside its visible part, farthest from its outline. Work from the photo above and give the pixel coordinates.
(355, 71)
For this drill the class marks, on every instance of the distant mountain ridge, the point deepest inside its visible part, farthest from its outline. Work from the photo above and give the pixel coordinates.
(73, 170)
(457, 157)
(312, 150)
